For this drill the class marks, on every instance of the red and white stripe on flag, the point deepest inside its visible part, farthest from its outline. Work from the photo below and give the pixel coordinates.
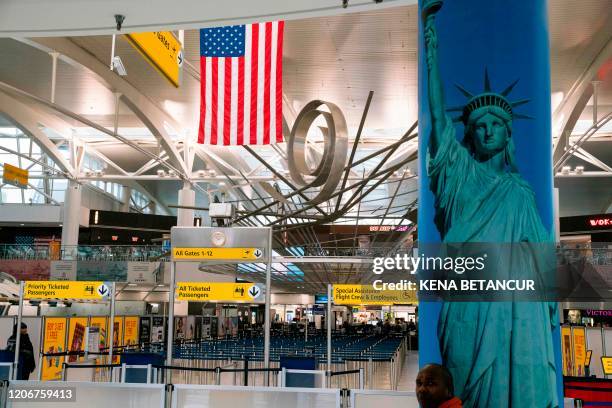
(241, 96)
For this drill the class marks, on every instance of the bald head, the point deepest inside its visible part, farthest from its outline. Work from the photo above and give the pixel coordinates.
(434, 385)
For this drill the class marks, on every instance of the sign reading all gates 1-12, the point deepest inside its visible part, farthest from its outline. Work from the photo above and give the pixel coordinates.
(95, 290)
(219, 291)
(367, 295)
(230, 254)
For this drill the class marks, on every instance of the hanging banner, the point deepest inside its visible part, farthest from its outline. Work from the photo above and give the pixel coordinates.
(144, 332)
(579, 343)
(100, 323)
(158, 329)
(485, 176)
(54, 342)
(76, 336)
(566, 350)
(130, 337)
(117, 338)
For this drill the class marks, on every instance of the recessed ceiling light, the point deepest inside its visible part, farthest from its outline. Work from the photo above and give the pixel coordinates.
(22, 224)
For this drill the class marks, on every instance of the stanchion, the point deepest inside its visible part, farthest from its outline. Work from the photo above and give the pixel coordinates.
(18, 332)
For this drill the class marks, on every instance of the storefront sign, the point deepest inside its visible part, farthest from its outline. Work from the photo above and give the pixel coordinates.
(367, 295)
(230, 254)
(93, 290)
(600, 222)
(162, 50)
(603, 313)
(219, 291)
(15, 176)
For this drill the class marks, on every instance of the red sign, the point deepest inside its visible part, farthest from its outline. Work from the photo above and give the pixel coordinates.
(600, 222)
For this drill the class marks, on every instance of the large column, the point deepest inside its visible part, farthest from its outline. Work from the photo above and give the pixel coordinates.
(485, 67)
(126, 193)
(186, 196)
(71, 213)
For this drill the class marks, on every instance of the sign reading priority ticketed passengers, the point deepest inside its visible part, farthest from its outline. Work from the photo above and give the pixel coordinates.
(368, 295)
(66, 290)
(229, 254)
(219, 291)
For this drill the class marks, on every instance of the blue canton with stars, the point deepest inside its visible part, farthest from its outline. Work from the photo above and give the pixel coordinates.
(222, 41)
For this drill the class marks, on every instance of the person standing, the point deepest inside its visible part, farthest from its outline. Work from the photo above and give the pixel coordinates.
(27, 362)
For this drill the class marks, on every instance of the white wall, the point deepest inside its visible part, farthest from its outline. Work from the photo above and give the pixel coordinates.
(35, 213)
(292, 299)
(98, 201)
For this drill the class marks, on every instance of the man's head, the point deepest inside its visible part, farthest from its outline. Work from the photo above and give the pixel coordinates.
(434, 385)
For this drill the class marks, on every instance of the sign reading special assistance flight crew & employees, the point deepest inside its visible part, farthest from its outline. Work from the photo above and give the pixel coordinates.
(219, 291)
(367, 295)
(92, 290)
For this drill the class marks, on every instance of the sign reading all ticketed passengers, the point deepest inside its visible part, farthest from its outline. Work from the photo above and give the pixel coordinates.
(219, 291)
(230, 254)
(95, 290)
(367, 295)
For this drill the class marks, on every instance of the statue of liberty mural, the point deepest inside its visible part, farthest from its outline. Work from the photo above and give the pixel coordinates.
(499, 353)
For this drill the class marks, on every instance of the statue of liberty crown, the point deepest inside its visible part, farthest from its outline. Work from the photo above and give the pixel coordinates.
(488, 98)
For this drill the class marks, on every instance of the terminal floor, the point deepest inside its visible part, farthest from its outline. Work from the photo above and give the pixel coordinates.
(409, 372)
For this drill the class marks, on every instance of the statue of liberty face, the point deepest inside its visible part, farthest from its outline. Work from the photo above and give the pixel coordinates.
(490, 135)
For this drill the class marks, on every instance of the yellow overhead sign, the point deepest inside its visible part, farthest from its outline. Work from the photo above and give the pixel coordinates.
(15, 176)
(367, 295)
(231, 254)
(66, 290)
(162, 50)
(219, 291)
(606, 363)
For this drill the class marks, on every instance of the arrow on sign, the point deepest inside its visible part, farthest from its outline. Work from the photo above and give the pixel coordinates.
(103, 290)
(258, 253)
(254, 291)
(180, 58)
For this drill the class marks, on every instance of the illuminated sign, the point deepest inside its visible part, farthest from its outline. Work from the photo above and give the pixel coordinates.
(219, 291)
(367, 295)
(162, 50)
(15, 176)
(600, 222)
(235, 254)
(66, 290)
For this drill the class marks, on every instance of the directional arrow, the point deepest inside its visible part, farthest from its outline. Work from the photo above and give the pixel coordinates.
(258, 253)
(180, 58)
(103, 290)
(254, 291)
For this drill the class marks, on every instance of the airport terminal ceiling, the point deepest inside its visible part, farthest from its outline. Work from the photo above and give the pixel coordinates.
(340, 59)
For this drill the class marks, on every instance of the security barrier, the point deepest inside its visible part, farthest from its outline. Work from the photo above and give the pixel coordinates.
(207, 396)
(387, 399)
(86, 394)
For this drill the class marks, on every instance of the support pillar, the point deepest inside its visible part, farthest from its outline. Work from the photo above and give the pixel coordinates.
(186, 197)
(70, 216)
(126, 193)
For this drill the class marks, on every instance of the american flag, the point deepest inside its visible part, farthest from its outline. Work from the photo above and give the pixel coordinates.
(241, 84)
